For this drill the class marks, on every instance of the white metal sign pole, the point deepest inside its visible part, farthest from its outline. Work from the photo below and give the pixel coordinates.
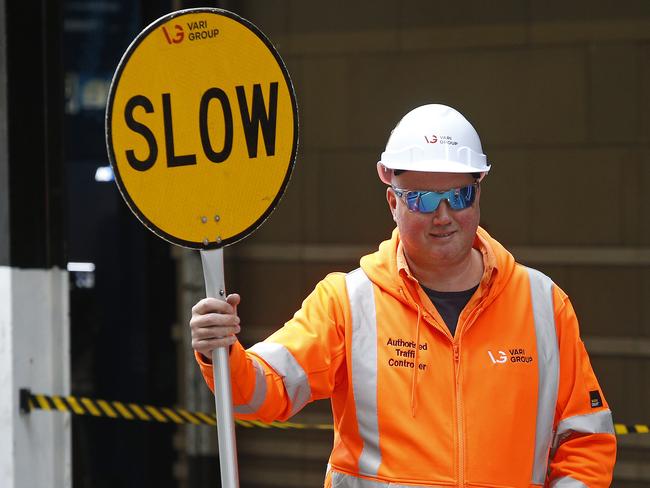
(215, 287)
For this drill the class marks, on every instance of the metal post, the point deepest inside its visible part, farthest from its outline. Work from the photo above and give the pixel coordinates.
(215, 287)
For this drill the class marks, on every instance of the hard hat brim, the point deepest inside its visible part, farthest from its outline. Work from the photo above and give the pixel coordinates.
(437, 166)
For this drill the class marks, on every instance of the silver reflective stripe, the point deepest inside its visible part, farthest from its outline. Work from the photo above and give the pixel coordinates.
(592, 423)
(340, 480)
(293, 376)
(259, 393)
(548, 369)
(364, 368)
(567, 482)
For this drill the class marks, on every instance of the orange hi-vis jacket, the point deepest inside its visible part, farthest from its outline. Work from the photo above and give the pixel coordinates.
(509, 401)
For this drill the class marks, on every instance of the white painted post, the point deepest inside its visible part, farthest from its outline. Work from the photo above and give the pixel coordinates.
(35, 448)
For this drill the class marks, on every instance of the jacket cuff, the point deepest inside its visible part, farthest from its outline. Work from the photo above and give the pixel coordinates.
(237, 363)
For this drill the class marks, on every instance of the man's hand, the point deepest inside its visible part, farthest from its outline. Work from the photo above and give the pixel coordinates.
(214, 324)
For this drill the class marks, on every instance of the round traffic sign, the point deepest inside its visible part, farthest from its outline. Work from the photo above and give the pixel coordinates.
(202, 127)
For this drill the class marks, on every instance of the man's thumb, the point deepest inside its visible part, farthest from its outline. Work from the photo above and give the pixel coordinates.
(233, 299)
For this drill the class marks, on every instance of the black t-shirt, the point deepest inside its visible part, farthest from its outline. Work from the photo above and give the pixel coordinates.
(450, 304)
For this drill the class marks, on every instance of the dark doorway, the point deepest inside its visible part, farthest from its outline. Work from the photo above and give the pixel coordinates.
(123, 298)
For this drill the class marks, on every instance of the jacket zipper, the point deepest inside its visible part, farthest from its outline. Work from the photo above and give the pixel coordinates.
(459, 418)
(459, 399)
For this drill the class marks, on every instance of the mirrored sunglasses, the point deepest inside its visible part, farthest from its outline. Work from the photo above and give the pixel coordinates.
(428, 201)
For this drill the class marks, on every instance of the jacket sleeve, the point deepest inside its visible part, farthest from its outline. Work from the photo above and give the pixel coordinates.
(584, 445)
(297, 364)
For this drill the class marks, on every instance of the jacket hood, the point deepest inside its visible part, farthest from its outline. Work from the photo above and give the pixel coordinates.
(387, 269)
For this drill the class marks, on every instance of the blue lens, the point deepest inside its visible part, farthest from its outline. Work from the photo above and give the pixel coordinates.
(413, 200)
(428, 201)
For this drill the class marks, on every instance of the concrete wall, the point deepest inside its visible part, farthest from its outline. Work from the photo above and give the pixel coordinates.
(35, 448)
(560, 94)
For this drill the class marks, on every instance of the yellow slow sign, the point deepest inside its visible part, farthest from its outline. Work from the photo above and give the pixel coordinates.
(201, 127)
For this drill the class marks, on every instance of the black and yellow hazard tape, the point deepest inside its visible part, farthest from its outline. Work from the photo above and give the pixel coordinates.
(622, 429)
(165, 415)
(139, 412)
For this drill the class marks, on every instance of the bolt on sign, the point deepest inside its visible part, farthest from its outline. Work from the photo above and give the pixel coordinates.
(202, 127)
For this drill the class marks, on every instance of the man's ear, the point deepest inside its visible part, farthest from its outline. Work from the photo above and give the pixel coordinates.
(384, 173)
(392, 203)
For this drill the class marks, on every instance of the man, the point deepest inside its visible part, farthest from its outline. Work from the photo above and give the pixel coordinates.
(447, 363)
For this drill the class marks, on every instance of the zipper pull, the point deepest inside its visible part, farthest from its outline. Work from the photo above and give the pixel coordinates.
(456, 353)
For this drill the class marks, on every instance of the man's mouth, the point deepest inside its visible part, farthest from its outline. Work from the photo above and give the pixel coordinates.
(441, 235)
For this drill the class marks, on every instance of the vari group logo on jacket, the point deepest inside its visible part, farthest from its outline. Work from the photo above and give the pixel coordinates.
(515, 355)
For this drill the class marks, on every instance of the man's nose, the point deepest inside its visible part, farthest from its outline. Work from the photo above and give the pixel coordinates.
(442, 215)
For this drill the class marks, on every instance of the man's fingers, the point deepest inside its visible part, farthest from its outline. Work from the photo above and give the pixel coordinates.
(206, 347)
(208, 333)
(213, 319)
(213, 305)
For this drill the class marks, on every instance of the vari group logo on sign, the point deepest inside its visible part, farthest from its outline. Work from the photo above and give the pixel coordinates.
(202, 135)
(196, 31)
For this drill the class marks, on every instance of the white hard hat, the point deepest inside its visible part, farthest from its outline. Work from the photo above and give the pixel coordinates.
(435, 138)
